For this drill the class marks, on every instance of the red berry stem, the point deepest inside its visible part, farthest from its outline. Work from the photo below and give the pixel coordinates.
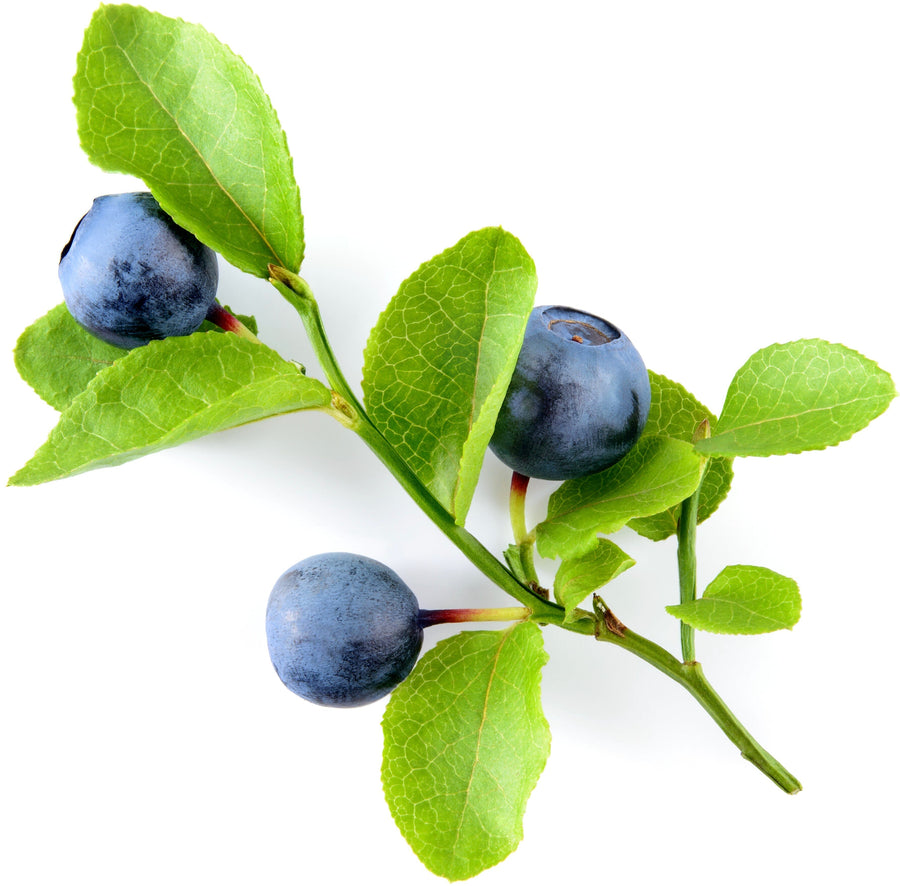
(429, 617)
(523, 538)
(517, 491)
(227, 322)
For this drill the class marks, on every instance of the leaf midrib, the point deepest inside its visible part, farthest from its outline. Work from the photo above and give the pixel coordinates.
(714, 600)
(795, 415)
(252, 224)
(479, 737)
(163, 441)
(478, 369)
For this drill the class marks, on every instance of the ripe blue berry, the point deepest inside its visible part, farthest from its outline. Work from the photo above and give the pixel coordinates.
(578, 398)
(343, 630)
(129, 274)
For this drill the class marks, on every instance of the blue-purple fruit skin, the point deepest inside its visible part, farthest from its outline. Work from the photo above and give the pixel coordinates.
(129, 274)
(578, 398)
(343, 630)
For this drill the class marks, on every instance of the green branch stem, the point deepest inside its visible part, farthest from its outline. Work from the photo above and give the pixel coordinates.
(690, 676)
(687, 551)
(601, 624)
(687, 568)
(298, 293)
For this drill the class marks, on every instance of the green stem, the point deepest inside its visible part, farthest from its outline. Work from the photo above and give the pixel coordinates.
(687, 568)
(687, 552)
(296, 290)
(473, 549)
(690, 676)
(298, 293)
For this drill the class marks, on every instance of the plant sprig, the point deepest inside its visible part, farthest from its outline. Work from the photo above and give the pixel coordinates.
(196, 126)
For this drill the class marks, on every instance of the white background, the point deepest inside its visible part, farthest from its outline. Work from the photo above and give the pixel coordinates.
(712, 177)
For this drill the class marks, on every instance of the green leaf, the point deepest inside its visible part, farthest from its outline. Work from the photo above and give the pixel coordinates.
(166, 393)
(439, 360)
(743, 600)
(579, 576)
(656, 474)
(465, 741)
(676, 413)
(165, 101)
(799, 396)
(58, 358)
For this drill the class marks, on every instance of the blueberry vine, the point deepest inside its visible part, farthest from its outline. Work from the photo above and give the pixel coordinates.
(460, 362)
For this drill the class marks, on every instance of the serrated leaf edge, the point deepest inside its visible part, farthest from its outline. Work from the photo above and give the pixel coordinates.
(708, 448)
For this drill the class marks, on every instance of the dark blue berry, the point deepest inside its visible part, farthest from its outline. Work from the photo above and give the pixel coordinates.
(129, 274)
(578, 398)
(343, 630)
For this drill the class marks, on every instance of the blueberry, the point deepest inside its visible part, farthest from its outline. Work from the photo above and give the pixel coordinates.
(343, 630)
(578, 398)
(129, 274)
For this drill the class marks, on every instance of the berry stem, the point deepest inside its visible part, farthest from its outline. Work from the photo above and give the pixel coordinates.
(226, 321)
(523, 538)
(517, 490)
(429, 617)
